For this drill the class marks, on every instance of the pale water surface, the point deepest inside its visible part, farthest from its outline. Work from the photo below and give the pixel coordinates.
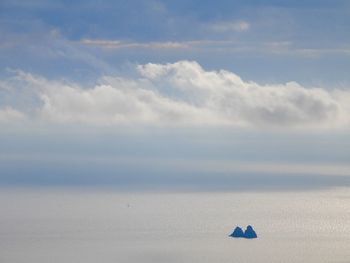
(71, 226)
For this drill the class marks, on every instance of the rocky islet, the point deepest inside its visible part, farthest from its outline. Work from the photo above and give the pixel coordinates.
(249, 233)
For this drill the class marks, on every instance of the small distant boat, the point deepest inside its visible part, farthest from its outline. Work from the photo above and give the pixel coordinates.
(249, 233)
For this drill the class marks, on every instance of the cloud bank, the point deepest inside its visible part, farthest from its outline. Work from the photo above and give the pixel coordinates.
(181, 93)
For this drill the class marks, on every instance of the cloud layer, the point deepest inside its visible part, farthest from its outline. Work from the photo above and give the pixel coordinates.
(117, 44)
(181, 93)
(238, 26)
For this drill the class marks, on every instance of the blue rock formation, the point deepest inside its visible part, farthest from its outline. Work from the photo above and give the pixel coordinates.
(250, 233)
(238, 232)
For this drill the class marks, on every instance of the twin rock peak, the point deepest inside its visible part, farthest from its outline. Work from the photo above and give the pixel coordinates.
(248, 233)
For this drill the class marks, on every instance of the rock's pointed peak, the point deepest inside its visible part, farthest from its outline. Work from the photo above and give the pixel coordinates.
(249, 232)
(238, 232)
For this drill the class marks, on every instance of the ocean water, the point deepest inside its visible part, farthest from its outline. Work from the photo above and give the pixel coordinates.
(67, 225)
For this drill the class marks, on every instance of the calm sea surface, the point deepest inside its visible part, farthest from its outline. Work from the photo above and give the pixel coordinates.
(41, 226)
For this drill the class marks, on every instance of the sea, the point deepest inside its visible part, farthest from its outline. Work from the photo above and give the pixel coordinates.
(67, 225)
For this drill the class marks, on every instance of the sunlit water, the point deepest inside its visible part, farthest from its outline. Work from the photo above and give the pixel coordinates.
(105, 226)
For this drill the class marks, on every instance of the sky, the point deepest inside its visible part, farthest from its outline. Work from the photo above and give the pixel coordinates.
(205, 95)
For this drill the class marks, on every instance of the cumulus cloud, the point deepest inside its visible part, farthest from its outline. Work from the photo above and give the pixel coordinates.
(183, 93)
(116, 101)
(248, 103)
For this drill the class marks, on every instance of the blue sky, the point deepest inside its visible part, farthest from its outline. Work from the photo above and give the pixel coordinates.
(268, 41)
(149, 87)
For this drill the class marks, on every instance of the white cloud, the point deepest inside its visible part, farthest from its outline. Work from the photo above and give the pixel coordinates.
(248, 103)
(117, 44)
(237, 26)
(9, 114)
(183, 93)
(117, 101)
(206, 45)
